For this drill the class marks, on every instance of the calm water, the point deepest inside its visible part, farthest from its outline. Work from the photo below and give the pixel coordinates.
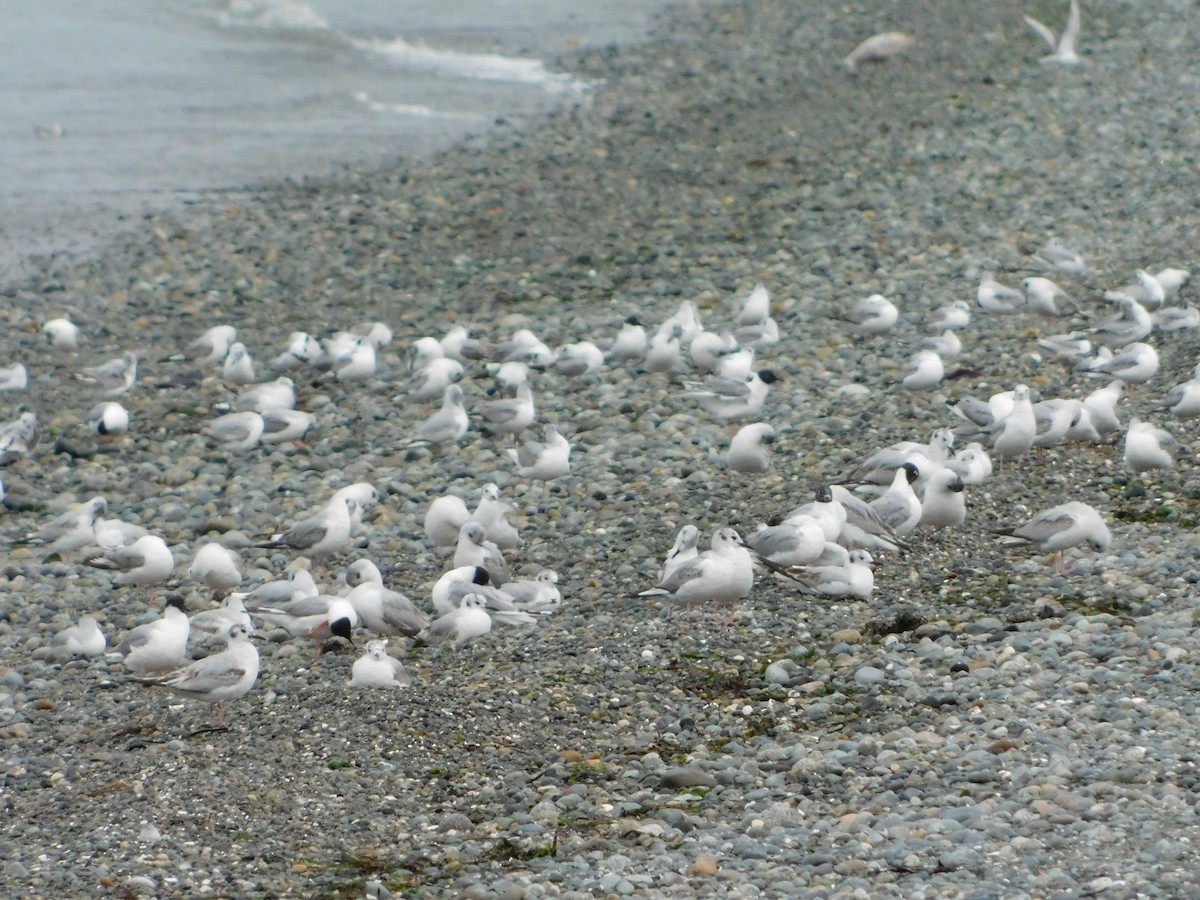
(109, 107)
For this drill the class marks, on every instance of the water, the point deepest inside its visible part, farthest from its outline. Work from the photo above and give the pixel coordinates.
(114, 107)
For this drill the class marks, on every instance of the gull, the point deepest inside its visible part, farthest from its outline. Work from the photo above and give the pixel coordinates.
(238, 367)
(1176, 318)
(497, 517)
(508, 377)
(1041, 294)
(1083, 429)
(382, 611)
(218, 567)
(756, 308)
(943, 505)
(749, 450)
(1054, 419)
(320, 617)
(322, 534)
(14, 377)
(474, 549)
(283, 425)
(1101, 405)
(924, 370)
(664, 352)
(1008, 419)
(222, 676)
(1060, 527)
(431, 380)
(108, 418)
(460, 625)
(146, 561)
(687, 318)
(159, 645)
(682, 550)
(1064, 47)
(110, 533)
(365, 497)
(730, 399)
(114, 377)
(1132, 324)
(211, 347)
(798, 541)
(358, 365)
(375, 668)
(302, 350)
(299, 583)
(953, 315)
(84, 638)
(377, 334)
(854, 578)
(70, 531)
(722, 574)
(880, 467)
(877, 48)
(1054, 255)
(423, 351)
(759, 335)
(994, 297)
(277, 394)
(450, 589)
(580, 358)
(524, 345)
(830, 513)
(1152, 291)
(972, 465)
(510, 415)
(539, 595)
(1137, 363)
(236, 432)
(458, 344)
(1015, 433)
(629, 344)
(1148, 447)
(62, 333)
(862, 527)
(1183, 400)
(898, 507)
(217, 621)
(543, 460)
(708, 348)
(873, 315)
(448, 424)
(1066, 346)
(948, 343)
(444, 519)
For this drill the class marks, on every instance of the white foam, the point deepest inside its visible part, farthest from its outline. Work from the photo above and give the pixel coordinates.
(419, 110)
(482, 66)
(285, 15)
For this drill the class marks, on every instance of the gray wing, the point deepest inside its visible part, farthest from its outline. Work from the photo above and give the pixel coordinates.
(399, 613)
(500, 411)
(688, 571)
(440, 630)
(305, 534)
(207, 675)
(1045, 525)
(891, 510)
(136, 638)
(442, 426)
(771, 541)
(125, 558)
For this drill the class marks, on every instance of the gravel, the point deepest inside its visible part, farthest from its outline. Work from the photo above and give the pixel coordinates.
(984, 726)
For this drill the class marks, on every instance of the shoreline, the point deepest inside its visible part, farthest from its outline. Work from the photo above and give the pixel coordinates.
(984, 725)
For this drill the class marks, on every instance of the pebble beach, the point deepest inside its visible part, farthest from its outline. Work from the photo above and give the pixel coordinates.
(987, 725)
